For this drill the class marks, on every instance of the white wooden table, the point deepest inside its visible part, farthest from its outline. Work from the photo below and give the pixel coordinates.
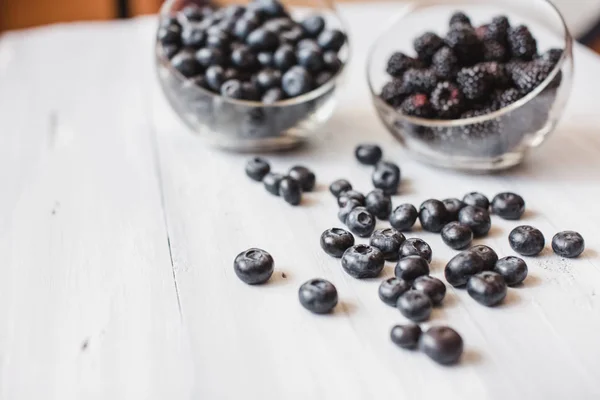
(118, 229)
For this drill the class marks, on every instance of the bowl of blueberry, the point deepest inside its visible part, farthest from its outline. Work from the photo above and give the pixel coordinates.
(256, 76)
(472, 85)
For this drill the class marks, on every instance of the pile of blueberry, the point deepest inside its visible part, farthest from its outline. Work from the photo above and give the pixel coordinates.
(256, 53)
(470, 72)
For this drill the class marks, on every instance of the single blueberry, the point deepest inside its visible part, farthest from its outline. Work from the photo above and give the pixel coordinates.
(270, 8)
(193, 13)
(463, 266)
(368, 154)
(218, 40)
(262, 40)
(386, 176)
(362, 261)
(432, 287)
(336, 241)
(313, 25)
(487, 288)
(361, 222)
(487, 254)
(215, 76)
(456, 235)
(513, 269)
(442, 344)
(411, 267)
(476, 199)
(268, 79)
(416, 247)
(379, 204)
(391, 289)
(332, 62)
(388, 241)
(273, 95)
(290, 190)
(186, 63)
(318, 296)
(344, 197)
(284, 58)
(433, 215)
(526, 240)
(332, 39)
(297, 81)
(207, 57)
(242, 57)
(257, 168)
(415, 305)
(350, 205)
(476, 218)
(339, 186)
(568, 244)
(232, 89)
(403, 217)
(253, 266)
(271, 182)
(265, 59)
(406, 336)
(304, 176)
(193, 37)
(292, 35)
(508, 206)
(453, 206)
(311, 59)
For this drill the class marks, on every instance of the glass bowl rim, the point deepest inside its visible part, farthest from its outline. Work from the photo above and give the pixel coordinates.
(306, 97)
(567, 50)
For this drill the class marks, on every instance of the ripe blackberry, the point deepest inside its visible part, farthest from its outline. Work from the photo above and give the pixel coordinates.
(459, 17)
(445, 64)
(394, 93)
(552, 56)
(463, 40)
(417, 105)
(522, 43)
(529, 76)
(447, 100)
(474, 82)
(419, 80)
(507, 97)
(399, 63)
(498, 29)
(427, 45)
(496, 74)
(494, 51)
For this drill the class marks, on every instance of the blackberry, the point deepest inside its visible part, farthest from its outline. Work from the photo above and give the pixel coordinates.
(445, 64)
(474, 82)
(399, 63)
(419, 80)
(507, 97)
(494, 51)
(496, 74)
(447, 100)
(394, 93)
(463, 40)
(529, 76)
(498, 29)
(459, 17)
(552, 56)
(522, 43)
(427, 45)
(417, 105)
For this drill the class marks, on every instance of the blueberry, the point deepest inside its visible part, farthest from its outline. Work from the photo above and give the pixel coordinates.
(193, 37)
(169, 50)
(391, 289)
(186, 63)
(442, 344)
(292, 35)
(487, 254)
(368, 154)
(416, 247)
(322, 78)
(218, 40)
(336, 241)
(307, 43)
(513, 270)
(332, 62)
(318, 296)
(193, 13)
(432, 287)
(404, 217)
(272, 96)
(415, 305)
(242, 57)
(361, 222)
(343, 212)
(297, 81)
(362, 261)
(453, 206)
(290, 190)
(332, 39)
(271, 182)
(262, 40)
(215, 76)
(207, 57)
(456, 235)
(339, 186)
(251, 92)
(268, 79)
(313, 25)
(304, 176)
(232, 89)
(257, 168)
(406, 336)
(526, 240)
(386, 176)
(487, 288)
(388, 241)
(478, 219)
(350, 195)
(568, 244)
(271, 8)
(433, 215)
(253, 266)
(284, 58)
(411, 267)
(379, 204)
(508, 206)
(311, 59)
(279, 25)
(476, 199)
(463, 266)
(265, 59)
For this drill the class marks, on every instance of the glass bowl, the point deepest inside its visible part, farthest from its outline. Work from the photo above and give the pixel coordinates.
(242, 125)
(493, 141)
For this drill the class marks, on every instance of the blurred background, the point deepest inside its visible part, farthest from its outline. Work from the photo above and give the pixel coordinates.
(583, 16)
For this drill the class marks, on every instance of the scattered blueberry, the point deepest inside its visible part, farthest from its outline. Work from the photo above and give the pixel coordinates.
(336, 241)
(391, 289)
(526, 240)
(368, 154)
(478, 219)
(433, 215)
(442, 344)
(403, 217)
(386, 176)
(457, 236)
(463, 266)
(361, 222)
(297, 81)
(487, 288)
(568, 244)
(411, 267)
(513, 270)
(379, 204)
(453, 206)
(339, 186)
(476, 199)
(416, 247)
(304, 176)
(350, 195)
(406, 336)
(415, 305)
(318, 296)
(348, 206)
(432, 287)
(290, 190)
(253, 266)
(362, 261)
(388, 241)
(508, 205)
(257, 168)
(271, 182)
(487, 254)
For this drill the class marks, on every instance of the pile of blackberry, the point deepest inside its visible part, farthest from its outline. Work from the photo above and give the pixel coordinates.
(256, 53)
(473, 71)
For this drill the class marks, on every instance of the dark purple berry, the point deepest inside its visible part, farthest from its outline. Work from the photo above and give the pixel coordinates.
(474, 82)
(284, 58)
(442, 344)
(331, 61)
(347, 195)
(344, 210)
(453, 206)
(494, 51)
(388, 241)
(394, 92)
(406, 336)
(297, 81)
(391, 289)
(336, 241)
(447, 100)
(526, 240)
(253, 266)
(417, 105)
(313, 25)
(262, 40)
(290, 190)
(386, 176)
(457, 236)
(379, 204)
(368, 154)
(244, 26)
(463, 266)
(420, 80)
(265, 59)
(404, 217)
(508, 205)
(304, 176)
(257, 168)
(243, 58)
(232, 89)
(339, 186)
(433, 215)
(476, 218)
(318, 296)
(487, 288)
(476, 199)
(271, 182)
(445, 64)
(507, 97)
(432, 287)
(416, 247)
(513, 270)
(415, 305)
(487, 254)
(459, 17)
(427, 45)
(332, 39)
(311, 59)
(185, 62)
(568, 244)
(399, 63)
(463, 40)
(411, 267)
(268, 78)
(522, 43)
(193, 37)
(207, 57)
(361, 222)
(362, 261)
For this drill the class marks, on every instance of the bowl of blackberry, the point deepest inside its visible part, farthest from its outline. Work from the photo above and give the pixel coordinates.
(260, 75)
(472, 85)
